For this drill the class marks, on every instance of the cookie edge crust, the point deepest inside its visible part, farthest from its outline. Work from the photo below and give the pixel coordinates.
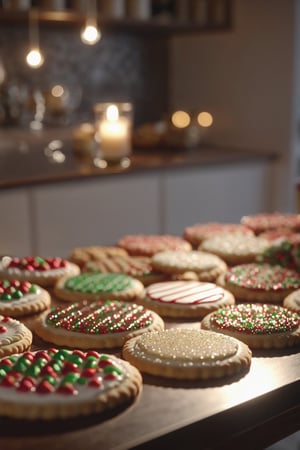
(127, 391)
(261, 341)
(42, 302)
(232, 365)
(85, 341)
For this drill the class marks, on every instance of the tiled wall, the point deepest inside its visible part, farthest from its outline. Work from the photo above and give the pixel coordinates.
(122, 66)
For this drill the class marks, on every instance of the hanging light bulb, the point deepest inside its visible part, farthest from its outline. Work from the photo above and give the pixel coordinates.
(90, 34)
(34, 57)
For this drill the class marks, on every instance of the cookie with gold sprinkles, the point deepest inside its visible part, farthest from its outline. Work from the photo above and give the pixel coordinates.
(97, 324)
(259, 325)
(94, 286)
(60, 383)
(260, 282)
(189, 354)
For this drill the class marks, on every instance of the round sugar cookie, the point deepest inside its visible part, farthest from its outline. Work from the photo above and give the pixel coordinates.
(42, 271)
(98, 324)
(187, 354)
(82, 255)
(15, 337)
(149, 245)
(138, 267)
(292, 301)
(260, 282)
(235, 248)
(185, 299)
(207, 266)
(54, 384)
(95, 286)
(259, 325)
(196, 234)
(19, 298)
(260, 223)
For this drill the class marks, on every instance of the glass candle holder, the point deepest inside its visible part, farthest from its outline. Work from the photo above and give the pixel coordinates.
(113, 124)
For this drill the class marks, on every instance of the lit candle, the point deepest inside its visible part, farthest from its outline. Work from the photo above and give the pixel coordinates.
(114, 134)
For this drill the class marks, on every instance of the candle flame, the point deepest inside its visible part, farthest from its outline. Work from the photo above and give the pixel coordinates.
(112, 113)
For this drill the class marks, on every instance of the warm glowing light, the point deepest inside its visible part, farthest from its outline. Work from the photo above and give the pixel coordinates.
(112, 113)
(34, 58)
(57, 90)
(180, 119)
(205, 119)
(90, 35)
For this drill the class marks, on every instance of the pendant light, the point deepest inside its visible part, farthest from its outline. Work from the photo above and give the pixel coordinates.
(34, 57)
(90, 34)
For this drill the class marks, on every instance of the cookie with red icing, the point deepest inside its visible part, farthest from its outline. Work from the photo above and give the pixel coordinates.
(260, 282)
(190, 299)
(94, 286)
(259, 325)
(149, 245)
(54, 383)
(42, 271)
(98, 324)
(260, 223)
(196, 234)
(15, 337)
(19, 298)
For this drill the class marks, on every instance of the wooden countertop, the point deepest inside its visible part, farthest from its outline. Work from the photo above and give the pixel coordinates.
(25, 158)
(251, 410)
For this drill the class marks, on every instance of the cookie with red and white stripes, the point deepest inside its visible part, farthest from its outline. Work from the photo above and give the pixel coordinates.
(149, 245)
(185, 299)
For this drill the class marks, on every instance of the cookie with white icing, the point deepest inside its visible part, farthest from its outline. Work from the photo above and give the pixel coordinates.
(292, 301)
(42, 271)
(187, 354)
(52, 384)
(20, 298)
(196, 234)
(98, 324)
(260, 282)
(149, 245)
(15, 337)
(206, 265)
(95, 286)
(235, 248)
(185, 299)
(259, 325)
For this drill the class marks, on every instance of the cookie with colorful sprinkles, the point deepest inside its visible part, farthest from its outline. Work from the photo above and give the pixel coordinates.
(259, 325)
(149, 245)
(95, 286)
(260, 282)
(54, 384)
(98, 324)
(187, 354)
(185, 299)
(262, 222)
(196, 234)
(42, 271)
(20, 298)
(15, 337)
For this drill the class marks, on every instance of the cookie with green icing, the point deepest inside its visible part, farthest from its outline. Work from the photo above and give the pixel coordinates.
(94, 286)
(54, 383)
(259, 325)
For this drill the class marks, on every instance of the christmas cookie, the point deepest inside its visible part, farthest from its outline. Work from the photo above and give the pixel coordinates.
(95, 286)
(235, 248)
(53, 383)
(273, 235)
(258, 325)
(149, 245)
(18, 298)
(42, 271)
(197, 233)
(191, 299)
(207, 266)
(258, 282)
(14, 336)
(260, 223)
(187, 354)
(292, 301)
(138, 267)
(98, 324)
(81, 255)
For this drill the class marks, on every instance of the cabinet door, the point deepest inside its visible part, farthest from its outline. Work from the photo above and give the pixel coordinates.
(95, 212)
(223, 194)
(15, 235)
